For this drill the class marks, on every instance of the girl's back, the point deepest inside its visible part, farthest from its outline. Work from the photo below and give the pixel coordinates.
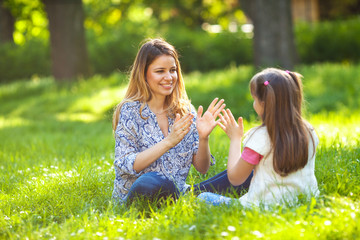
(267, 186)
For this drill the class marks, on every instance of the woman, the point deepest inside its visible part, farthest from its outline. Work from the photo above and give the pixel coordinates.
(157, 136)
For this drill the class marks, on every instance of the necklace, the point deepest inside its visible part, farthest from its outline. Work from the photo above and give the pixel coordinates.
(159, 113)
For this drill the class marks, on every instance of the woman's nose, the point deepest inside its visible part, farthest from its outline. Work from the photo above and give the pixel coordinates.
(167, 76)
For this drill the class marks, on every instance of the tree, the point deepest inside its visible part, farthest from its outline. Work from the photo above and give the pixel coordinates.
(7, 22)
(273, 32)
(67, 38)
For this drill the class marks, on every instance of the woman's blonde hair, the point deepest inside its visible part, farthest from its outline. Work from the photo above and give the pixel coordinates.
(139, 90)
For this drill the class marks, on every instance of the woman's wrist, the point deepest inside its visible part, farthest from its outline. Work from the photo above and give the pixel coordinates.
(168, 143)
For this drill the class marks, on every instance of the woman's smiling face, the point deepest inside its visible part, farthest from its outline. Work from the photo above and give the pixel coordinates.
(162, 76)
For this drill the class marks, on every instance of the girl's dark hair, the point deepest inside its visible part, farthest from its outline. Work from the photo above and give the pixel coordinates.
(282, 96)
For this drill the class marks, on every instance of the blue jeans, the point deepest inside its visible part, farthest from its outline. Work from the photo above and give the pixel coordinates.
(215, 199)
(220, 184)
(152, 185)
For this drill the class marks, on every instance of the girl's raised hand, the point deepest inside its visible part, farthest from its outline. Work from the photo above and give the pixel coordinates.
(206, 122)
(180, 128)
(228, 123)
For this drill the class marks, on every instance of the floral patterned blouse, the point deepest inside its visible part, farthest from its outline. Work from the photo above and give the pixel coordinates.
(135, 134)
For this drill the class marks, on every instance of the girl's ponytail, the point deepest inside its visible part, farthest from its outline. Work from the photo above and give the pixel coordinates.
(281, 94)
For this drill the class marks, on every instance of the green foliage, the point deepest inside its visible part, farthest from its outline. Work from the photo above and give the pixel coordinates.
(203, 51)
(116, 48)
(336, 41)
(24, 61)
(331, 87)
(56, 155)
(31, 20)
(199, 50)
(113, 47)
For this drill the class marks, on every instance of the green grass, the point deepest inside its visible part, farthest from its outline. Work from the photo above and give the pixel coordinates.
(56, 154)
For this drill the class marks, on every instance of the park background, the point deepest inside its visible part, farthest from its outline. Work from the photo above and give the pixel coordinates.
(64, 66)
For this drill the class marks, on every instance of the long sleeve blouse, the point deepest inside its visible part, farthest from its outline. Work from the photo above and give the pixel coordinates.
(135, 134)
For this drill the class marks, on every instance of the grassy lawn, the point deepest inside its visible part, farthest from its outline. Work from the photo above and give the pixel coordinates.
(56, 155)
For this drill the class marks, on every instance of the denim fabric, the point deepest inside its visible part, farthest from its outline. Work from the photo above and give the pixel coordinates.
(152, 185)
(215, 199)
(220, 184)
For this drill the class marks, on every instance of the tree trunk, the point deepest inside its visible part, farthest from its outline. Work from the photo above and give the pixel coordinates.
(273, 32)
(7, 22)
(67, 36)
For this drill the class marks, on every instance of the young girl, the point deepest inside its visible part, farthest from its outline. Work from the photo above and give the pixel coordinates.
(281, 151)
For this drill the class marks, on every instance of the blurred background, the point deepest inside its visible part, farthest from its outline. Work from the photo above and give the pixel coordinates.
(68, 39)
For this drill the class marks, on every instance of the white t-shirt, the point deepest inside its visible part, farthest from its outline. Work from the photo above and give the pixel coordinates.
(268, 187)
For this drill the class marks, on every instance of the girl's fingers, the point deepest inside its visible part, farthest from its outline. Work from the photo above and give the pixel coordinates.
(226, 116)
(231, 116)
(240, 121)
(222, 119)
(221, 125)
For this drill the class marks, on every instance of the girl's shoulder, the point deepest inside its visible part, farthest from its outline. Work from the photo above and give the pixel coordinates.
(258, 131)
(258, 140)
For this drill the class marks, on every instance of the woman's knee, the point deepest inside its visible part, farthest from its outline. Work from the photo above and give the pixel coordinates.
(152, 184)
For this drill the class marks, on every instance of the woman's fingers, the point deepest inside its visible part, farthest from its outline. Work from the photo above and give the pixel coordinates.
(183, 123)
(177, 118)
(200, 111)
(212, 104)
(180, 128)
(219, 110)
(217, 106)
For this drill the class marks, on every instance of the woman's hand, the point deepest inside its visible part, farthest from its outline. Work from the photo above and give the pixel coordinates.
(180, 128)
(232, 128)
(206, 123)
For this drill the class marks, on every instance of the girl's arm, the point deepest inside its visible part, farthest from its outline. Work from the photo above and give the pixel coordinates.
(237, 169)
(205, 124)
(180, 128)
